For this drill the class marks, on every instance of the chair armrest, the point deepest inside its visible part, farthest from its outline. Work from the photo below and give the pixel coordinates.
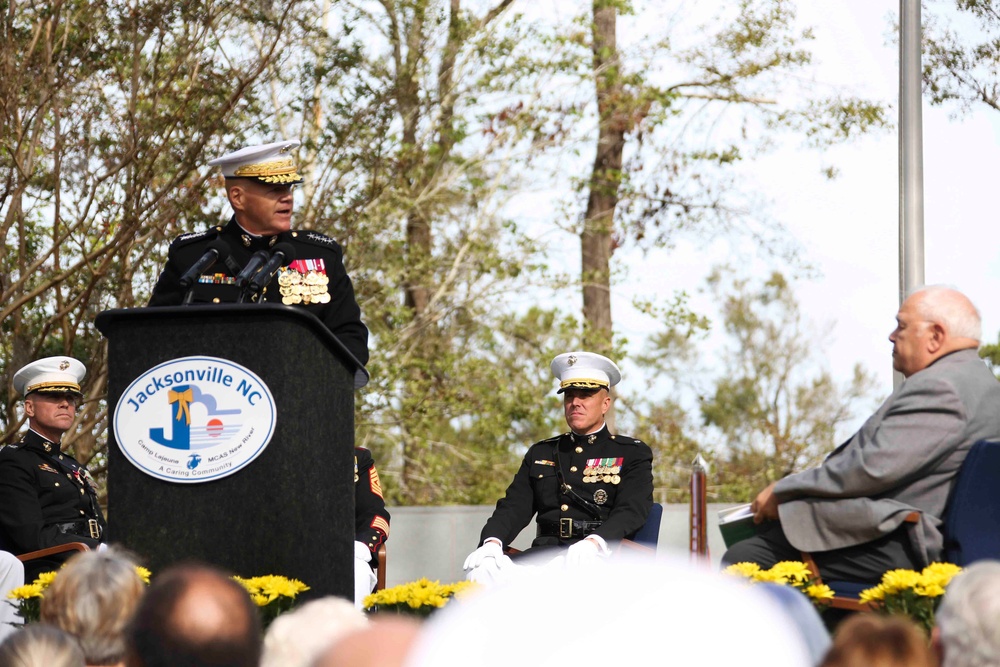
(380, 569)
(50, 551)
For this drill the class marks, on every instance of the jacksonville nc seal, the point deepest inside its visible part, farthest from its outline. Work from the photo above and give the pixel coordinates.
(194, 419)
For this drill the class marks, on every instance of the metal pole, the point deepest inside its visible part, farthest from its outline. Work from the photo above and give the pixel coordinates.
(911, 155)
(698, 526)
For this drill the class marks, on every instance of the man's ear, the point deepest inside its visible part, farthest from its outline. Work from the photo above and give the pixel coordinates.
(236, 196)
(29, 407)
(935, 338)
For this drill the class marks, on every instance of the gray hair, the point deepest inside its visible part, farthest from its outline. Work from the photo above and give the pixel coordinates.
(945, 305)
(40, 645)
(299, 637)
(93, 598)
(969, 616)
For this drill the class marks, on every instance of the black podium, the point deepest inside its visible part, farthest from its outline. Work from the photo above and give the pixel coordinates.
(290, 509)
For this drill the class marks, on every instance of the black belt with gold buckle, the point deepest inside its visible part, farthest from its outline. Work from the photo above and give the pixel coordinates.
(88, 528)
(567, 529)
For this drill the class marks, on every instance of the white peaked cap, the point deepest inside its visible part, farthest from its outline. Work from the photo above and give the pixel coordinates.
(267, 163)
(51, 374)
(585, 370)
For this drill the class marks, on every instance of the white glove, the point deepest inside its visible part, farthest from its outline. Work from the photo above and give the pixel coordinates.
(494, 571)
(364, 583)
(585, 551)
(490, 551)
(362, 552)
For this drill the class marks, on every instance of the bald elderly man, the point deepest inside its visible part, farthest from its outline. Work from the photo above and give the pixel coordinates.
(849, 512)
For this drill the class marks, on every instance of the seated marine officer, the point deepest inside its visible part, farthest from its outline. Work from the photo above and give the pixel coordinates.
(46, 497)
(586, 488)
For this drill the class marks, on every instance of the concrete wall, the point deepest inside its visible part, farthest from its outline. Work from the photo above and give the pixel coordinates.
(433, 542)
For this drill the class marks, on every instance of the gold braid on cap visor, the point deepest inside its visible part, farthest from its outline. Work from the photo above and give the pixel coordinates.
(584, 383)
(275, 171)
(53, 387)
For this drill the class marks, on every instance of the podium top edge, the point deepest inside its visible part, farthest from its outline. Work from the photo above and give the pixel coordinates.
(107, 319)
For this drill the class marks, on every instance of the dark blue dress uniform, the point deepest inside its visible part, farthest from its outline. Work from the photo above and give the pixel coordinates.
(46, 499)
(578, 485)
(338, 310)
(371, 520)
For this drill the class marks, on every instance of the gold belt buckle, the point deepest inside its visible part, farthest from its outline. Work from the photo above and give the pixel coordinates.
(565, 528)
(95, 530)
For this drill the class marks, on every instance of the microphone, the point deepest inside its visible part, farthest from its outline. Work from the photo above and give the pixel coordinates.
(218, 250)
(283, 252)
(253, 265)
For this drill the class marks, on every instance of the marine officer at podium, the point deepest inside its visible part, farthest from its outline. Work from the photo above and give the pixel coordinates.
(586, 488)
(259, 182)
(46, 497)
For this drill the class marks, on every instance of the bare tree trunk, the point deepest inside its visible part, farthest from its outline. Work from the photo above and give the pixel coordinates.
(596, 241)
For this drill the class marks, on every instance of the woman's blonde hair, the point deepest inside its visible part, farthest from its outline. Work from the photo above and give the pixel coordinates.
(93, 598)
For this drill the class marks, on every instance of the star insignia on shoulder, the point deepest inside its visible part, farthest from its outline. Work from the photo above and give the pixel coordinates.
(190, 235)
(319, 237)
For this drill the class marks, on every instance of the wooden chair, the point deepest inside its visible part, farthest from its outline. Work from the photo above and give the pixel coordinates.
(52, 551)
(380, 569)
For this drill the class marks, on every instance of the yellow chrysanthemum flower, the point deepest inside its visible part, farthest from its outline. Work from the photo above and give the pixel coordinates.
(26, 592)
(895, 581)
(743, 569)
(932, 590)
(143, 573)
(45, 579)
(938, 575)
(794, 571)
(872, 594)
(819, 592)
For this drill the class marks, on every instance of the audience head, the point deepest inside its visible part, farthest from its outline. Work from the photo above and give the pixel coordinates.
(385, 642)
(932, 322)
(870, 640)
(93, 599)
(615, 611)
(297, 638)
(195, 615)
(968, 621)
(41, 645)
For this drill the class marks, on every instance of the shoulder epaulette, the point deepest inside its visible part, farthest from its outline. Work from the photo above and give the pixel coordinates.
(316, 238)
(554, 438)
(184, 239)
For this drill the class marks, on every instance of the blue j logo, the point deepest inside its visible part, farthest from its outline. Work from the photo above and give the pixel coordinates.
(193, 461)
(180, 401)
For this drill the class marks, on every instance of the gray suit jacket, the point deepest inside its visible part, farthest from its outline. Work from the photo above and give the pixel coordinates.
(904, 459)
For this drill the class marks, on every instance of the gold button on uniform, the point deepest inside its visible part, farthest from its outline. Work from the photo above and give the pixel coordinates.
(579, 450)
(57, 483)
(572, 469)
(564, 508)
